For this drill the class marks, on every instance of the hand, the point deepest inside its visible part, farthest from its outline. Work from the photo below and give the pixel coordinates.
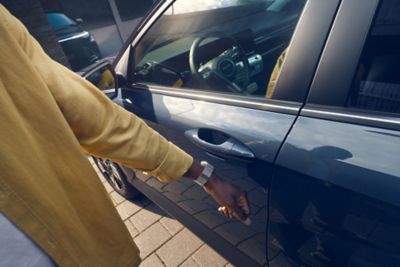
(233, 200)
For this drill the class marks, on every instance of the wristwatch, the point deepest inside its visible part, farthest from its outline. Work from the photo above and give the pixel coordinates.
(205, 174)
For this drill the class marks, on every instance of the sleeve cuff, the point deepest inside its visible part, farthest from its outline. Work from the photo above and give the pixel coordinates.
(175, 163)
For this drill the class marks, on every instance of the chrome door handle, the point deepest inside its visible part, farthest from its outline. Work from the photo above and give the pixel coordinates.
(230, 147)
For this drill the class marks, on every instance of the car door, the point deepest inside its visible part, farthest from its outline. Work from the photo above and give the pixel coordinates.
(335, 190)
(238, 131)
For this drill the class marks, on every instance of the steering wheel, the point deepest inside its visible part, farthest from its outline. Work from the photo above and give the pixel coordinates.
(229, 69)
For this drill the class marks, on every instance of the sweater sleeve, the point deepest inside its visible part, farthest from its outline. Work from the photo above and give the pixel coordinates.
(103, 128)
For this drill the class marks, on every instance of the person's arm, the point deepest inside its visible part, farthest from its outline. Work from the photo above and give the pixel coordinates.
(106, 130)
(101, 127)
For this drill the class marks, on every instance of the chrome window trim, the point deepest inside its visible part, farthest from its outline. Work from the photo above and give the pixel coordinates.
(286, 107)
(84, 34)
(354, 116)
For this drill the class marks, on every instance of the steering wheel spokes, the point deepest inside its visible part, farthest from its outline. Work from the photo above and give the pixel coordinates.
(205, 72)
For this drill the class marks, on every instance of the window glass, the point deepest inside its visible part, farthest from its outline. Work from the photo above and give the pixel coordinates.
(377, 81)
(129, 9)
(59, 21)
(228, 46)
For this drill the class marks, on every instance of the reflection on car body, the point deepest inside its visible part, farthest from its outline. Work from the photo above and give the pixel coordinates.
(79, 45)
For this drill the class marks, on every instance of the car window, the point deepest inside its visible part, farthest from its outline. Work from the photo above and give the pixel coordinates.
(376, 85)
(59, 21)
(196, 6)
(230, 46)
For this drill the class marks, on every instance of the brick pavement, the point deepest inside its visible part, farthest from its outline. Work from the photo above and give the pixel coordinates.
(162, 240)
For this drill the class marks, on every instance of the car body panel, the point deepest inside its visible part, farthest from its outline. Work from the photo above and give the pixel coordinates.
(334, 199)
(173, 117)
(334, 194)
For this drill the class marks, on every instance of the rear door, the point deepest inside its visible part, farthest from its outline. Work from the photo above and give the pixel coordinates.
(335, 191)
(239, 132)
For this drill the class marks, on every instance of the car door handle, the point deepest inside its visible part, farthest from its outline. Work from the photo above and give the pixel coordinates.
(230, 147)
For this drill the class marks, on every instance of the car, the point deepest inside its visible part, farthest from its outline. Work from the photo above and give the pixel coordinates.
(295, 101)
(79, 45)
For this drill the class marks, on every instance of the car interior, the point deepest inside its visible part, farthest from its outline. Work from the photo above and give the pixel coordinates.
(228, 49)
(377, 82)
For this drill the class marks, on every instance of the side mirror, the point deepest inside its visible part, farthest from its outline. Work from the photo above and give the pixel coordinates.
(103, 76)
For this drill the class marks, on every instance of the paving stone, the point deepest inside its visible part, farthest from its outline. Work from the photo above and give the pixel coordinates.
(146, 217)
(207, 257)
(131, 228)
(113, 201)
(174, 197)
(161, 233)
(172, 225)
(262, 238)
(127, 209)
(254, 249)
(195, 206)
(108, 187)
(151, 239)
(98, 172)
(258, 197)
(152, 261)
(211, 218)
(175, 187)
(195, 192)
(189, 262)
(117, 197)
(155, 184)
(246, 184)
(258, 225)
(210, 201)
(261, 214)
(180, 247)
(186, 181)
(234, 232)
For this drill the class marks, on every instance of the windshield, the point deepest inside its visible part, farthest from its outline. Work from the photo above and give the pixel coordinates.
(59, 21)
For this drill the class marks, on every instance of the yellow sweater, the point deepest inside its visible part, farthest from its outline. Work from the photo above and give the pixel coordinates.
(48, 117)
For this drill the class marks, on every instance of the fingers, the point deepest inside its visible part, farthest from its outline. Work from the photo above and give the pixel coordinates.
(238, 213)
(225, 212)
(239, 209)
(243, 203)
(229, 213)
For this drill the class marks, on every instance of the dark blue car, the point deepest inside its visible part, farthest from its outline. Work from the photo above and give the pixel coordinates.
(295, 101)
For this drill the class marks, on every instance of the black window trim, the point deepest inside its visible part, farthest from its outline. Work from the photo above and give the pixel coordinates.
(305, 49)
(315, 23)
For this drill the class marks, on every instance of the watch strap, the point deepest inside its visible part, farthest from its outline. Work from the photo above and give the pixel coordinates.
(205, 174)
